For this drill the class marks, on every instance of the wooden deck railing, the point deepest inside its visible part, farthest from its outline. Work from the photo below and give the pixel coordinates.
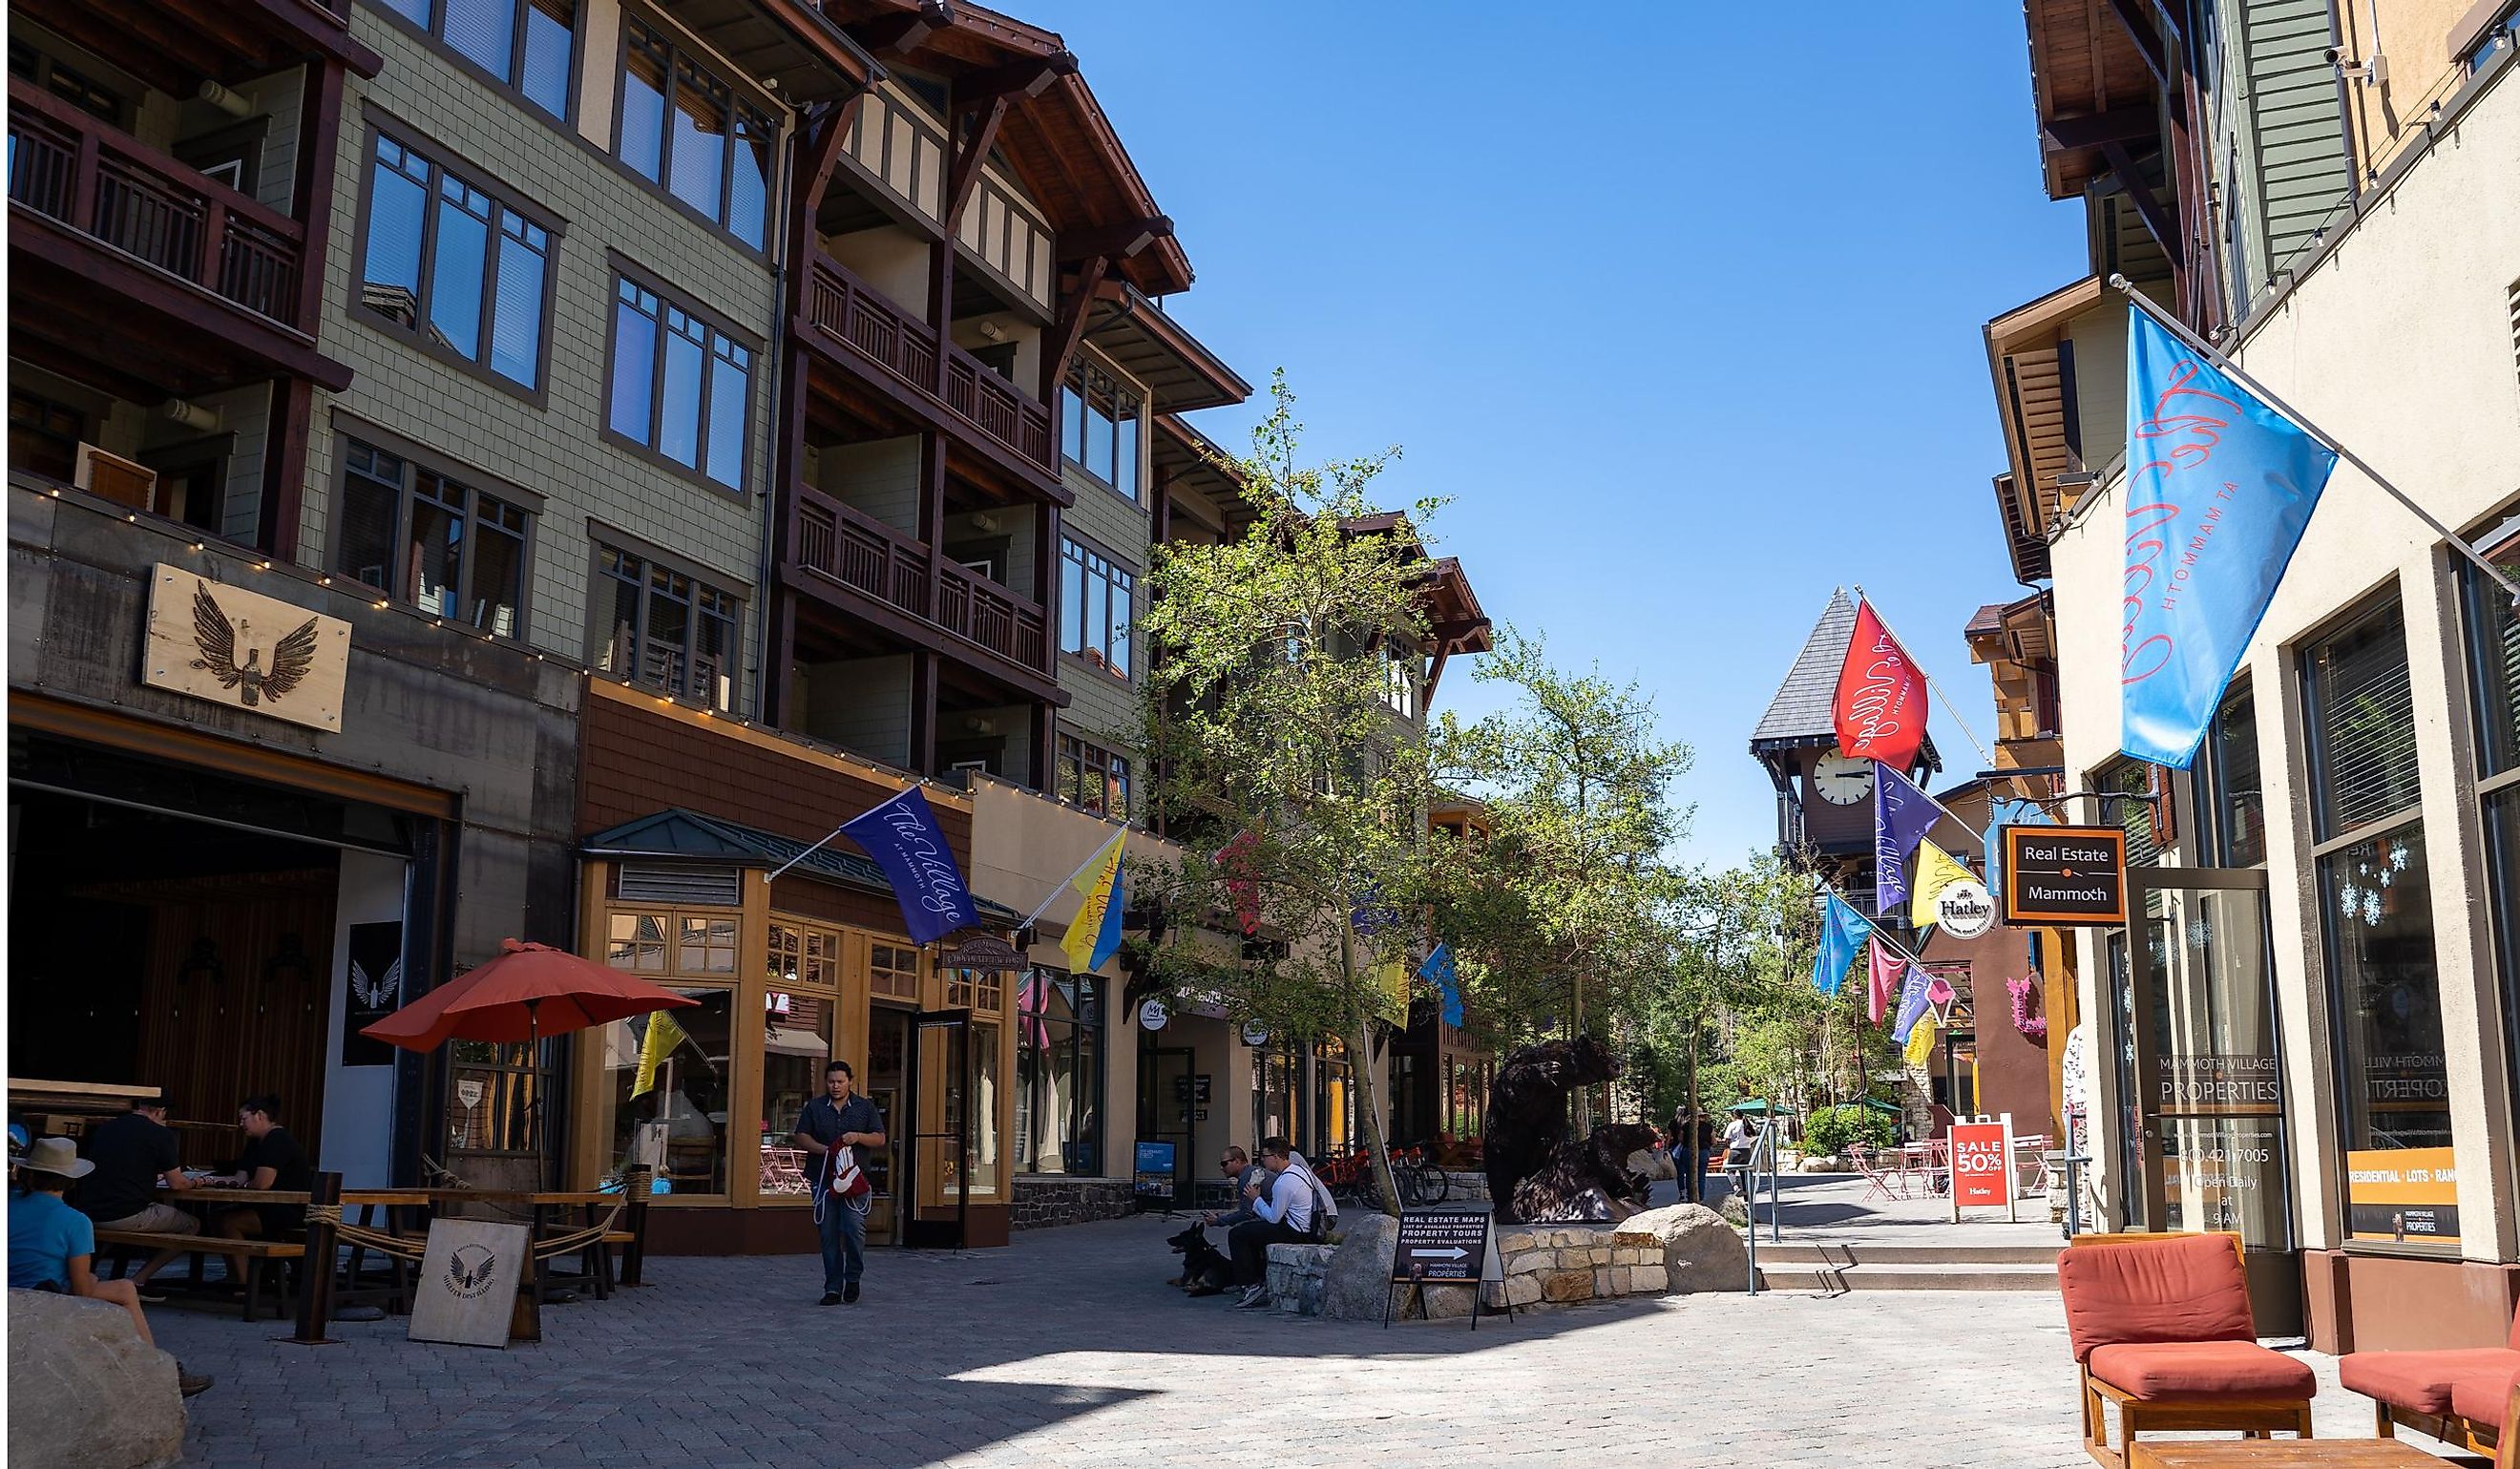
(850, 313)
(108, 185)
(859, 552)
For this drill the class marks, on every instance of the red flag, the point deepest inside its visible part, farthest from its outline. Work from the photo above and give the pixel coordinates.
(1880, 710)
(1888, 973)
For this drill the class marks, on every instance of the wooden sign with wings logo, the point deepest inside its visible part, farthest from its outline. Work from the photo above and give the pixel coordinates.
(234, 646)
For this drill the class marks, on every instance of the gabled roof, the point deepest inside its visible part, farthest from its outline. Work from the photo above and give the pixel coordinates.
(675, 834)
(1803, 710)
(1176, 369)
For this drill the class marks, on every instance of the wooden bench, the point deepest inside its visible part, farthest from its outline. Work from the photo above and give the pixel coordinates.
(126, 1244)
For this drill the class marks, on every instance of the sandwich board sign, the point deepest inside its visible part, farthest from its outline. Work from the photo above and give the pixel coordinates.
(468, 1275)
(1442, 1247)
(1982, 1167)
(1152, 1176)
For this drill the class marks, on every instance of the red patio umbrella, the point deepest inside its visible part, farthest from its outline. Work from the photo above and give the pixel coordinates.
(529, 991)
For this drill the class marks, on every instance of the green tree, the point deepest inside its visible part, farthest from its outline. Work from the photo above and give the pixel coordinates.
(1299, 796)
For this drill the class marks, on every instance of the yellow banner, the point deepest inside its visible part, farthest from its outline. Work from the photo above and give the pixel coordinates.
(1096, 882)
(1922, 1038)
(1936, 869)
(663, 1034)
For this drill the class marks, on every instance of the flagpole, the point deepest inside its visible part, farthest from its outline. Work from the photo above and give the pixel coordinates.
(781, 869)
(2300, 420)
(1091, 859)
(1948, 706)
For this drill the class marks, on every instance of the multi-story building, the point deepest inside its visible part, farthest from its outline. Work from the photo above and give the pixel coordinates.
(2307, 1033)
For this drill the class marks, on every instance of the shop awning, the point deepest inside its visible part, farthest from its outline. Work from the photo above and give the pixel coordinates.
(679, 835)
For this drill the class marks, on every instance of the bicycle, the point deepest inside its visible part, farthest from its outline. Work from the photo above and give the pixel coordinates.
(1420, 1181)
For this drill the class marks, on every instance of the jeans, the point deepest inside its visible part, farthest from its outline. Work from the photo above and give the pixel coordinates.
(1249, 1242)
(1688, 1172)
(843, 1232)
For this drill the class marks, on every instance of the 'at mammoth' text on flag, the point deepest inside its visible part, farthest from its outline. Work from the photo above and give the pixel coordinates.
(2219, 489)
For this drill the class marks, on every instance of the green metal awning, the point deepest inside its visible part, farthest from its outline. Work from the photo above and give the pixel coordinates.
(675, 834)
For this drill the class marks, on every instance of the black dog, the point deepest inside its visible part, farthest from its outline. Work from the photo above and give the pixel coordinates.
(1206, 1272)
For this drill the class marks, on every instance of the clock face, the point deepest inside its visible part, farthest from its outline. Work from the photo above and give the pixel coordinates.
(1842, 780)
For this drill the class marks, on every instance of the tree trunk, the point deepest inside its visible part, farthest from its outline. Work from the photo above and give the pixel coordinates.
(1377, 1146)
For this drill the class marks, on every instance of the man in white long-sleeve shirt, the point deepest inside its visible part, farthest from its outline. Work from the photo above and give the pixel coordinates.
(1283, 1202)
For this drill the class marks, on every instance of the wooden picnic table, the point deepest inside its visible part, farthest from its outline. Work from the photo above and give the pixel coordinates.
(215, 1195)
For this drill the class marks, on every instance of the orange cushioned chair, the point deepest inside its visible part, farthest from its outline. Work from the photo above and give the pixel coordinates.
(2161, 1326)
(2455, 1394)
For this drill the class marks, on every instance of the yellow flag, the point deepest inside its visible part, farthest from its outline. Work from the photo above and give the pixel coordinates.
(1921, 1039)
(1391, 980)
(663, 1034)
(1936, 869)
(1096, 880)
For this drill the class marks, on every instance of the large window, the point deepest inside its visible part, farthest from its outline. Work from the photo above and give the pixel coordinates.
(461, 271)
(1091, 777)
(2375, 908)
(2228, 786)
(1059, 1073)
(427, 538)
(796, 1046)
(663, 628)
(686, 130)
(524, 45)
(1096, 598)
(681, 388)
(2493, 668)
(1098, 427)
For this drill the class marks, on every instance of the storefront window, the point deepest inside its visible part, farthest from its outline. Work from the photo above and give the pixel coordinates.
(981, 990)
(2377, 918)
(706, 947)
(2494, 664)
(893, 970)
(2229, 786)
(1334, 1098)
(667, 1079)
(1059, 1074)
(636, 941)
(2218, 1080)
(1273, 1094)
(984, 1114)
(796, 1046)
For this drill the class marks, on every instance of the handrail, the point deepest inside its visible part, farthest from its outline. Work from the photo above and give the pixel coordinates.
(848, 545)
(846, 310)
(1765, 1147)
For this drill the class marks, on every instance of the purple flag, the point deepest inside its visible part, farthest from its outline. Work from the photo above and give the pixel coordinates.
(903, 839)
(1913, 1003)
(1902, 814)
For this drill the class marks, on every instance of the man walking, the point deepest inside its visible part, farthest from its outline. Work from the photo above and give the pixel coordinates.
(1281, 1205)
(131, 1154)
(839, 1120)
(1686, 1163)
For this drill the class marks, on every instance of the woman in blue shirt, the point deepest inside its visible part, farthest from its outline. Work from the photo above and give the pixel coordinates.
(52, 1246)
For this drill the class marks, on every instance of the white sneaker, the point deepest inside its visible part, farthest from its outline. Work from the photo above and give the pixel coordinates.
(1253, 1296)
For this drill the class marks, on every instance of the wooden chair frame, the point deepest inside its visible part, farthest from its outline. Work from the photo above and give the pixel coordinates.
(2466, 1434)
(2251, 1418)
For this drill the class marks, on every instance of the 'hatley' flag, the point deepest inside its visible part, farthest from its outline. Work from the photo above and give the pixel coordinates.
(903, 838)
(1842, 932)
(1438, 970)
(2219, 489)
(1936, 870)
(1902, 814)
(1881, 708)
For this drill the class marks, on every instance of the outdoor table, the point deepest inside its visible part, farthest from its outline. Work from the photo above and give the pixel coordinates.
(215, 1195)
(2280, 1453)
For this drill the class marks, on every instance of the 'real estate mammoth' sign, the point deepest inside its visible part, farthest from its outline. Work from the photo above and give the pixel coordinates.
(2066, 876)
(241, 648)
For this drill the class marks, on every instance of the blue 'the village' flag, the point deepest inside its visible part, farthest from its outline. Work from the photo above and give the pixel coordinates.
(2219, 489)
(903, 839)
(1438, 970)
(1902, 814)
(2002, 812)
(1842, 935)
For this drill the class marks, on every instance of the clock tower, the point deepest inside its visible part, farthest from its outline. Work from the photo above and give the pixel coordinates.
(1823, 797)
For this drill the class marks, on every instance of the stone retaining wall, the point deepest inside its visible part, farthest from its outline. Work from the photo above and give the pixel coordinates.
(1677, 1250)
(1041, 1200)
(1559, 1265)
(1297, 1273)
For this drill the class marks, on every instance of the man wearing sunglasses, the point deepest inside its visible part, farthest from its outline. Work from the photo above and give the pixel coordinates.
(1245, 1174)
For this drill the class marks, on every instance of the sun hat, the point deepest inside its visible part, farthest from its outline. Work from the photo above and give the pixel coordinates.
(57, 1155)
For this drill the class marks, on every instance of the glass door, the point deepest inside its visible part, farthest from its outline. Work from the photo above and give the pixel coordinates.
(1168, 1109)
(887, 1078)
(2210, 1092)
(938, 1160)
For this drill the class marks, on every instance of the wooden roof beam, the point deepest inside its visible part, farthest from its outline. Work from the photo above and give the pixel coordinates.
(1019, 79)
(1074, 308)
(2139, 124)
(963, 175)
(907, 32)
(1117, 242)
(2137, 16)
(2156, 215)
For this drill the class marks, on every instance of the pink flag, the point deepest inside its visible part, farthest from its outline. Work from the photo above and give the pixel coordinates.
(1887, 970)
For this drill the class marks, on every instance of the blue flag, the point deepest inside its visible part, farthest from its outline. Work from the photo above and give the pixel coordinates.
(903, 839)
(2002, 812)
(1842, 935)
(1913, 1003)
(2219, 489)
(1438, 970)
(1902, 814)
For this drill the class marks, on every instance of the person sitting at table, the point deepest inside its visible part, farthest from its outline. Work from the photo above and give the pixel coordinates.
(132, 1153)
(52, 1246)
(272, 1160)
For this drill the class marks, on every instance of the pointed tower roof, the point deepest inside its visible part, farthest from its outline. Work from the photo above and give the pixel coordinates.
(1802, 711)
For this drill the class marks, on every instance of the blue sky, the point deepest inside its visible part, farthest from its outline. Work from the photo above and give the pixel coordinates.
(1680, 304)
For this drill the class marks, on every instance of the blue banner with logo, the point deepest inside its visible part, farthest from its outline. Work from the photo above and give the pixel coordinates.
(903, 839)
(1842, 935)
(2219, 489)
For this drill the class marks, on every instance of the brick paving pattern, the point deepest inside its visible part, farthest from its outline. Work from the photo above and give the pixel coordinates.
(1067, 1349)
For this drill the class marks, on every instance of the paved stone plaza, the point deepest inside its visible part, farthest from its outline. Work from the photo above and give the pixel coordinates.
(1068, 1349)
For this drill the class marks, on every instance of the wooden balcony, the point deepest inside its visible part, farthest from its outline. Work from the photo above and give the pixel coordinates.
(838, 544)
(105, 185)
(849, 316)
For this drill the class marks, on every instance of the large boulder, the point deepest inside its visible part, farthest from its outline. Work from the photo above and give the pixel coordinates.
(84, 1393)
(1359, 1279)
(1700, 1250)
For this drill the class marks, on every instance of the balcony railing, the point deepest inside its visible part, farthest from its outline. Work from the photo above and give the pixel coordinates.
(861, 553)
(852, 315)
(104, 182)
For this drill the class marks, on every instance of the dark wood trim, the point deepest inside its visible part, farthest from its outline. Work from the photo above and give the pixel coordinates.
(283, 466)
(2137, 124)
(1025, 77)
(2156, 219)
(817, 152)
(904, 32)
(319, 145)
(846, 603)
(1120, 240)
(117, 730)
(963, 175)
(2135, 16)
(620, 264)
(604, 532)
(1075, 307)
(931, 413)
(922, 712)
